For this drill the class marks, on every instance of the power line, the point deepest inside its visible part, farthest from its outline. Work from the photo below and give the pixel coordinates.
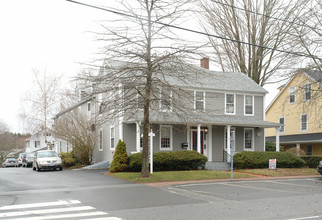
(275, 18)
(194, 31)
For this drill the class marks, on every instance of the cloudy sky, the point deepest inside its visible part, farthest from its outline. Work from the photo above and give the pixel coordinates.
(51, 35)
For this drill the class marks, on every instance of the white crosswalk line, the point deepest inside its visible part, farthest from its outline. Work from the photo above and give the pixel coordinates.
(62, 209)
(104, 218)
(45, 211)
(37, 205)
(64, 216)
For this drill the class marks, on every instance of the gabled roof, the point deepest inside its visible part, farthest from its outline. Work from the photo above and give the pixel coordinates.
(72, 107)
(201, 78)
(314, 75)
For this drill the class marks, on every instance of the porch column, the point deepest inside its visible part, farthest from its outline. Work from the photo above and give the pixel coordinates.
(298, 149)
(188, 137)
(138, 136)
(198, 139)
(209, 146)
(277, 139)
(228, 143)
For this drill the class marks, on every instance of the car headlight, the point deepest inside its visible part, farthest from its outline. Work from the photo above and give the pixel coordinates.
(321, 163)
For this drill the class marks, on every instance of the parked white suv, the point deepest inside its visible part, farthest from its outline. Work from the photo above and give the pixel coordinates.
(47, 159)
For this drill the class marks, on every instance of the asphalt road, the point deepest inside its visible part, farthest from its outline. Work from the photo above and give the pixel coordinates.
(89, 194)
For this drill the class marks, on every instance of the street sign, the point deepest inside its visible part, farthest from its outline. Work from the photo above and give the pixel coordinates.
(272, 164)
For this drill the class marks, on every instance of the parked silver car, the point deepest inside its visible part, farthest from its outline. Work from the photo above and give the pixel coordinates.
(10, 162)
(47, 159)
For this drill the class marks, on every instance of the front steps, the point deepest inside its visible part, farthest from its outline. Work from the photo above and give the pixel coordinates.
(219, 166)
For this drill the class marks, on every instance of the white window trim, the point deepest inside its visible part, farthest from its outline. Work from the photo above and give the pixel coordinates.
(282, 132)
(306, 100)
(307, 123)
(111, 137)
(203, 100)
(171, 138)
(225, 144)
(234, 113)
(253, 139)
(165, 110)
(101, 145)
(289, 97)
(253, 108)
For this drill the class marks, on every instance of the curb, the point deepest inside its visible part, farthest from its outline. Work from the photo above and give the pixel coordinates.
(157, 184)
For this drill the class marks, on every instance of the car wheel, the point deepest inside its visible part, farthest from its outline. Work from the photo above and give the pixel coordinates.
(37, 168)
(60, 168)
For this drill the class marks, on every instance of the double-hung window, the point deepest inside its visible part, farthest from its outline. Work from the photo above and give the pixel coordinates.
(200, 101)
(304, 122)
(281, 120)
(307, 92)
(112, 138)
(165, 137)
(165, 100)
(101, 140)
(292, 95)
(249, 139)
(249, 104)
(230, 104)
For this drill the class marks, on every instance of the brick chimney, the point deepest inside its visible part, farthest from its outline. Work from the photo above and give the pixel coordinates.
(204, 63)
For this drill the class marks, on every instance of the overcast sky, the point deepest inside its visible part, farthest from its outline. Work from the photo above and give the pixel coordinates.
(51, 35)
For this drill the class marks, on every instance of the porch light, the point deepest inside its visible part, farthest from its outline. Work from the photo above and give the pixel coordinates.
(206, 130)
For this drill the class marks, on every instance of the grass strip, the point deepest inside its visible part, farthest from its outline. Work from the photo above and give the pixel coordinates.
(281, 172)
(170, 176)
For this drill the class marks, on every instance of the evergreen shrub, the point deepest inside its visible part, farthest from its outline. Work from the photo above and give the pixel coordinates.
(68, 159)
(120, 158)
(311, 161)
(253, 160)
(170, 161)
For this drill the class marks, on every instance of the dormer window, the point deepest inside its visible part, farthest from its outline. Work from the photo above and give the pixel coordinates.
(307, 92)
(200, 101)
(292, 95)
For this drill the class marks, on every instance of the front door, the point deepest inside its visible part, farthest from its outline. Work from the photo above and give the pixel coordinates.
(203, 141)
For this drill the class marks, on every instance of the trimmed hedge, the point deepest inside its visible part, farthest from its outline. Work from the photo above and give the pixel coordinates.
(251, 160)
(169, 161)
(311, 161)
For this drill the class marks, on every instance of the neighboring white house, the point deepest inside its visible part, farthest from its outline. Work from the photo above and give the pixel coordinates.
(38, 141)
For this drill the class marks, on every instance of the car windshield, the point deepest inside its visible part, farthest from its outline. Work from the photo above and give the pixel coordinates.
(47, 154)
(11, 159)
(30, 155)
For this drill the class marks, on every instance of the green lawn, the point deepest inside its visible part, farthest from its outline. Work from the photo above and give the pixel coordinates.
(169, 176)
(282, 172)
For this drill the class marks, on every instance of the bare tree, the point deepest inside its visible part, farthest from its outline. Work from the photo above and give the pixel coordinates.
(153, 64)
(261, 32)
(309, 34)
(41, 103)
(7, 141)
(79, 132)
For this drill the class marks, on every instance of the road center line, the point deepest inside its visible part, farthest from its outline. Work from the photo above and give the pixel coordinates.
(64, 216)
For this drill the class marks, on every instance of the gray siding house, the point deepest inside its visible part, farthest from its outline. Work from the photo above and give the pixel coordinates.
(220, 109)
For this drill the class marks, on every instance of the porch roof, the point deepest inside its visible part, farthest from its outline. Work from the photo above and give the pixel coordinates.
(202, 118)
(298, 138)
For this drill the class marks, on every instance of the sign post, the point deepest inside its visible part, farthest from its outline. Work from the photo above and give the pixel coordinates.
(151, 134)
(272, 164)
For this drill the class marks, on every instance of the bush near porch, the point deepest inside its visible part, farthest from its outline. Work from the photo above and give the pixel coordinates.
(311, 161)
(253, 160)
(170, 161)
